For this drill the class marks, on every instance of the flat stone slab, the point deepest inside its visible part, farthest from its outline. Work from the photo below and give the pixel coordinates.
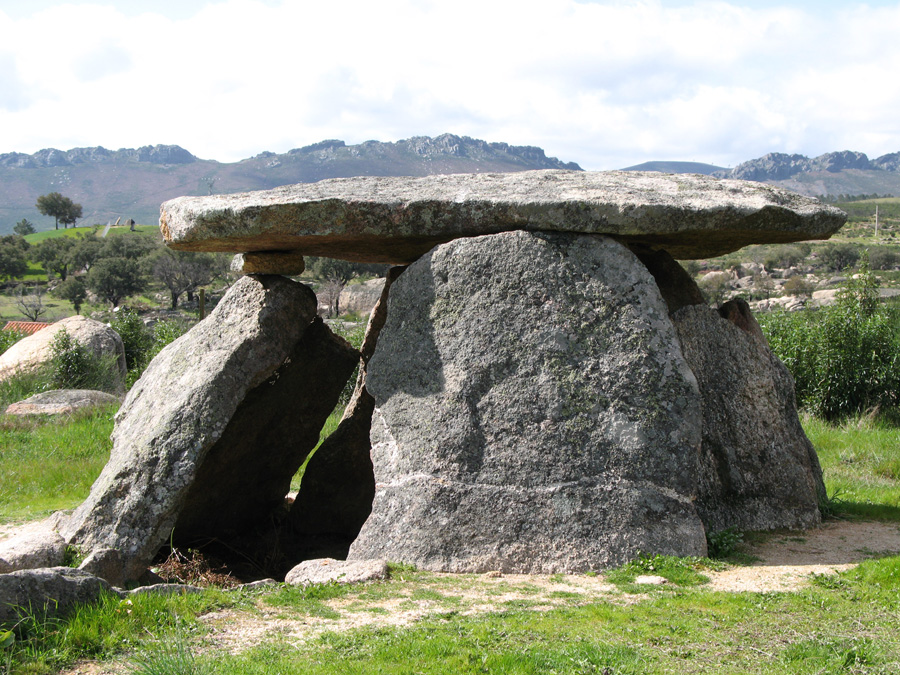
(398, 219)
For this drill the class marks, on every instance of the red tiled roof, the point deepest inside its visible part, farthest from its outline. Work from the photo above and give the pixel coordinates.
(28, 327)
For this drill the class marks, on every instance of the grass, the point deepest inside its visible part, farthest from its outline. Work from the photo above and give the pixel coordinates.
(74, 232)
(861, 465)
(330, 425)
(849, 623)
(46, 465)
(845, 623)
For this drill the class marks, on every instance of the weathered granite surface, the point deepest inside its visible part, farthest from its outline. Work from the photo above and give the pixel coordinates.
(179, 409)
(758, 471)
(50, 591)
(248, 471)
(396, 220)
(35, 351)
(61, 402)
(534, 411)
(331, 571)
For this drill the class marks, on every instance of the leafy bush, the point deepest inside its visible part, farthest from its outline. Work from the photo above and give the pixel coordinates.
(845, 359)
(143, 344)
(8, 338)
(135, 337)
(164, 333)
(71, 364)
(723, 543)
(838, 257)
(75, 366)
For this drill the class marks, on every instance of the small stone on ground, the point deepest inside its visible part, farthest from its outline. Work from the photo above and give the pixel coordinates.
(325, 570)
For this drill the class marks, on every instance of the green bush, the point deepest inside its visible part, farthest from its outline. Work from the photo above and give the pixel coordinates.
(845, 359)
(143, 344)
(135, 337)
(72, 363)
(8, 338)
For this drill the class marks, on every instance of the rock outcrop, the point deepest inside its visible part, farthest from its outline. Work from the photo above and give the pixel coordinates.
(34, 351)
(38, 545)
(179, 412)
(533, 411)
(61, 402)
(397, 220)
(331, 571)
(758, 471)
(47, 591)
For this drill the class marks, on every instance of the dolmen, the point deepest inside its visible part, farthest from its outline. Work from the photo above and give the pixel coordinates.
(542, 387)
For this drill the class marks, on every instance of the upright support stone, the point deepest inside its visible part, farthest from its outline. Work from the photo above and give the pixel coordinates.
(758, 471)
(534, 412)
(177, 412)
(247, 473)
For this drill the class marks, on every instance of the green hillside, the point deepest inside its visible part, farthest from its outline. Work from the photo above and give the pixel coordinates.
(37, 237)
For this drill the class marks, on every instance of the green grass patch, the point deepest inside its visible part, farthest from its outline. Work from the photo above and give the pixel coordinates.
(861, 464)
(108, 628)
(334, 419)
(678, 571)
(691, 631)
(49, 463)
(81, 231)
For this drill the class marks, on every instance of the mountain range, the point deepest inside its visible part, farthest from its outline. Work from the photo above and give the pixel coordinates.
(132, 183)
(129, 183)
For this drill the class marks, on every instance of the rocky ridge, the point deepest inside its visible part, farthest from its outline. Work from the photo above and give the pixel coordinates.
(130, 183)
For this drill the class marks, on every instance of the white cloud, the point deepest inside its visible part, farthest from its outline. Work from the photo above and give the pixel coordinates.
(606, 84)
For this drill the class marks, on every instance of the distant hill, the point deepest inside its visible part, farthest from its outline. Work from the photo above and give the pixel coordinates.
(834, 173)
(130, 183)
(677, 167)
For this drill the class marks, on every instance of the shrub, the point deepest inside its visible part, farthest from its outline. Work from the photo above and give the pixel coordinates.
(75, 366)
(8, 338)
(839, 257)
(845, 359)
(143, 344)
(72, 363)
(135, 337)
(798, 285)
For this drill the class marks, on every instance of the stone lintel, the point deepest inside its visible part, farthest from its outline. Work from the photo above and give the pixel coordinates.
(397, 219)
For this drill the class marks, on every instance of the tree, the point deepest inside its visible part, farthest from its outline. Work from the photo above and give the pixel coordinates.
(73, 215)
(128, 245)
(85, 252)
(182, 272)
(74, 291)
(336, 274)
(839, 257)
(24, 227)
(61, 208)
(12, 261)
(115, 278)
(54, 255)
(31, 304)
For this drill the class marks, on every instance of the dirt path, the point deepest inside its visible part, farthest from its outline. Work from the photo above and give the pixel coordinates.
(786, 560)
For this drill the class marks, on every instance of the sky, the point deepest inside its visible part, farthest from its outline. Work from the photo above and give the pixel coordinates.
(605, 83)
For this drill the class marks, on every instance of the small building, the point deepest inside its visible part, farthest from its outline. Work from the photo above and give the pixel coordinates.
(27, 327)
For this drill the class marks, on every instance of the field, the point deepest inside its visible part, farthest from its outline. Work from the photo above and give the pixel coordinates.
(822, 601)
(804, 621)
